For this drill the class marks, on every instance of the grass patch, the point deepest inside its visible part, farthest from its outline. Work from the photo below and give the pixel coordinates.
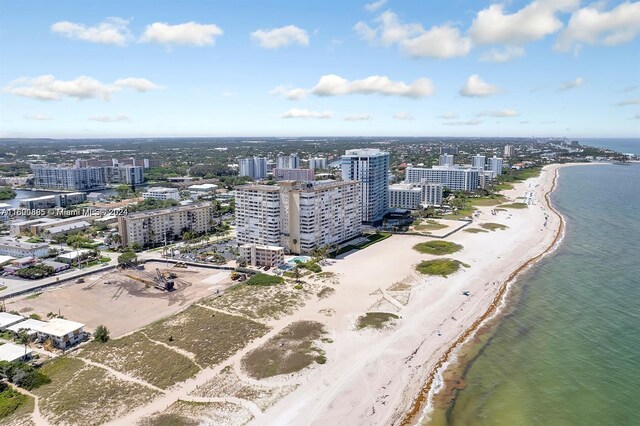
(437, 248)
(188, 413)
(474, 230)
(169, 419)
(211, 336)
(371, 239)
(502, 187)
(441, 267)
(514, 206)
(10, 401)
(33, 295)
(264, 280)
(376, 320)
(3, 287)
(289, 351)
(428, 225)
(486, 201)
(325, 292)
(79, 392)
(138, 356)
(493, 226)
(260, 302)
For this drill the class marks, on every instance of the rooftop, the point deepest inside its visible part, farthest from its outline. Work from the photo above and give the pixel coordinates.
(10, 242)
(68, 227)
(161, 190)
(7, 319)
(73, 254)
(12, 352)
(58, 327)
(27, 325)
(157, 212)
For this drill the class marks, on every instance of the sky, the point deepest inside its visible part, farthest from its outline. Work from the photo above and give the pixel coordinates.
(94, 69)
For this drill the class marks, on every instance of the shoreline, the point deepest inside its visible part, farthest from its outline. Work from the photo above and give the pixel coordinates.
(422, 405)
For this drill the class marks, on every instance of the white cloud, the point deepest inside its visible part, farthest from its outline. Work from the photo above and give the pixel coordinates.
(629, 102)
(523, 122)
(571, 84)
(294, 94)
(334, 85)
(533, 22)
(357, 117)
(190, 33)
(502, 55)
(402, 115)
(449, 116)
(305, 113)
(372, 7)
(629, 88)
(462, 123)
(592, 26)
(47, 87)
(444, 41)
(477, 87)
(37, 117)
(137, 84)
(109, 118)
(502, 113)
(110, 31)
(637, 116)
(280, 37)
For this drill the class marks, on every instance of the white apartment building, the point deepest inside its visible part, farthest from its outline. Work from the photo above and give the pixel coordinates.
(259, 255)
(160, 193)
(405, 196)
(291, 161)
(157, 226)
(298, 216)
(495, 166)
(302, 175)
(454, 178)
(445, 160)
(431, 193)
(478, 161)
(370, 167)
(254, 167)
(509, 151)
(84, 178)
(19, 249)
(197, 191)
(317, 163)
(56, 200)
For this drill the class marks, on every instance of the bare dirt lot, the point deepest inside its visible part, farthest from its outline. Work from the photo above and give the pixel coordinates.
(121, 302)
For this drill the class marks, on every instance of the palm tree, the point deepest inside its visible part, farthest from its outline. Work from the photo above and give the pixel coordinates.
(23, 339)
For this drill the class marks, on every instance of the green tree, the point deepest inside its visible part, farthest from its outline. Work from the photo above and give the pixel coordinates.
(127, 258)
(101, 334)
(23, 339)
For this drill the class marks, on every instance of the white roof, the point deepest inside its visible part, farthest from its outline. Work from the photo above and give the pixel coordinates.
(28, 324)
(6, 259)
(7, 319)
(74, 254)
(204, 186)
(58, 327)
(11, 352)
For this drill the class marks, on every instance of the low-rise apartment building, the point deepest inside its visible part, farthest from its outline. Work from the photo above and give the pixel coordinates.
(259, 255)
(455, 178)
(160, 193)
(20, 249)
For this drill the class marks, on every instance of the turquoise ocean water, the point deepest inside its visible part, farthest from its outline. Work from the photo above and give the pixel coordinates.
(568, 352)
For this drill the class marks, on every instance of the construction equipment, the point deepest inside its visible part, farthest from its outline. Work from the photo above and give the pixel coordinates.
(158, 281)
(163, 282)
(180, 265)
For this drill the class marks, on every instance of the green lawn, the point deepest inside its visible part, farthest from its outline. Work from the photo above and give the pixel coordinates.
(493, 226)
(441, 267)
(264, 280)
(428, 225)
(376, 320)
(486, 201)
(474, 230)
(437, 248)
(514, 206)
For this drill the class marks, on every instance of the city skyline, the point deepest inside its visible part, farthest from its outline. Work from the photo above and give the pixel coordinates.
(522, 68)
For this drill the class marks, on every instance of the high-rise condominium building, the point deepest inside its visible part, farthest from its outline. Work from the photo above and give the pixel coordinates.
(157, 226)
(495, 166)
(509, 151)
(317, 163)
(291, 161)
(478, 161)
(84, 178)
(448, 150)
(298, 216)
(253, 167)
(370, 167)
(415, 195)
(454, 178)
(445, 160)
(302, 175)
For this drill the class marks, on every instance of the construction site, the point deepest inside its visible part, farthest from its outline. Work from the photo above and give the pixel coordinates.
(126, 299)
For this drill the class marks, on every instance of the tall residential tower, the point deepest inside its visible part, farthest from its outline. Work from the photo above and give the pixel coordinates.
(370, 167)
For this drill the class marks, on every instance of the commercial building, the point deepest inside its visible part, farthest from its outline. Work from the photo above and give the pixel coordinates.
(160, 193)
(156, 226)
(405, 196)
(454, 178)
(74, 256)
(259, 255)
(445, 160)
(253, 167)
(51, 201)
(84, 178)
(317, 163)
(197, 191)
(509, 151)
(291, 161)
(19, 249)
(370, 167)
(298, 216)
(302, 175)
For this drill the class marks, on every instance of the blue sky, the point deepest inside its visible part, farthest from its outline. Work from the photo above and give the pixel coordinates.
(288, 68)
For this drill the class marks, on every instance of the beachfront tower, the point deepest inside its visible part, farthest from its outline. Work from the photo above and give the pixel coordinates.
(478, 161)
(370, 167)
(445, 160)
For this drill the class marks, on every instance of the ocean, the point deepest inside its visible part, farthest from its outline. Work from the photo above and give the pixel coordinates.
(567, 352)
(624, 145)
